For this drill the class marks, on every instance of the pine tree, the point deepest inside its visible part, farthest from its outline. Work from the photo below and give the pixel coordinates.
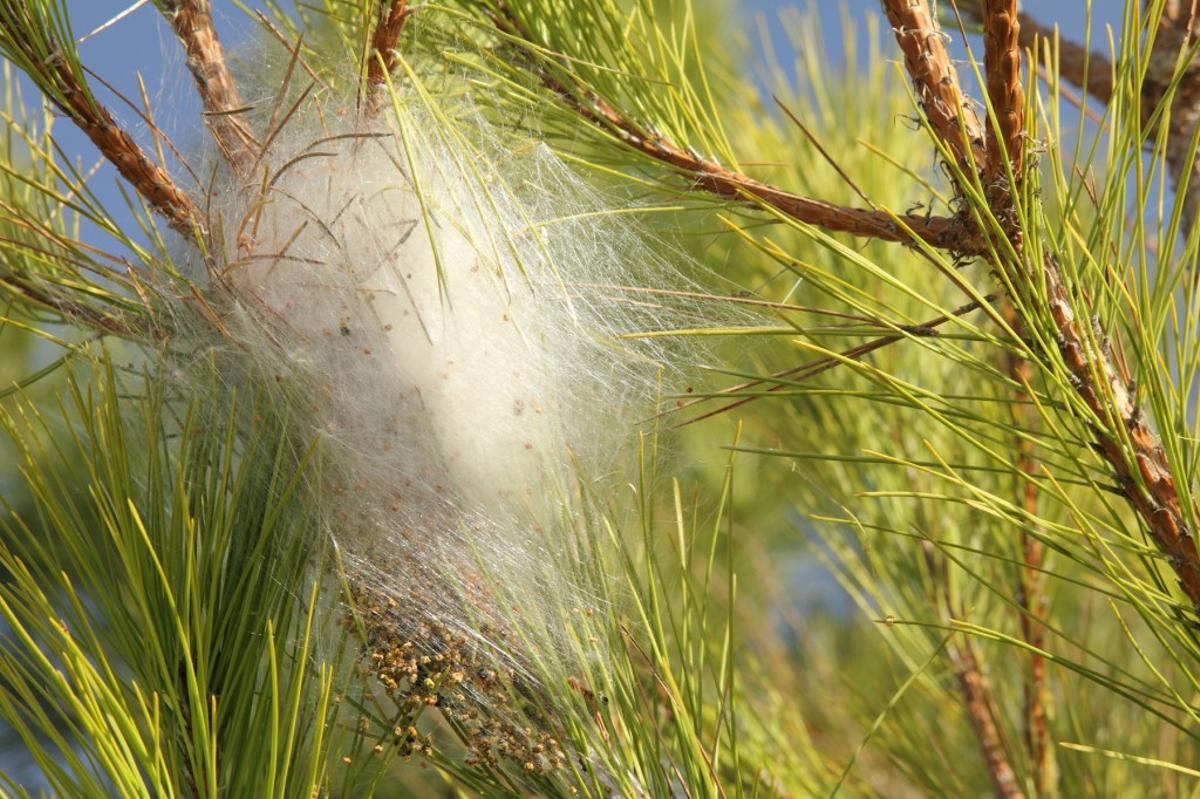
(445, 419)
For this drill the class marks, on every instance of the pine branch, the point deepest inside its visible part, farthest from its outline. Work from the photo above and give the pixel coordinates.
(1177, 34)
(381, 59)
(1002, 65)
(1145, 475)
(981, 709)
(709, 176)
(1005, 139)
(192, 22)
(131, 161)
(1032, 598)
(936, 82)
(1077, 65)
(977, 695)
(32, 37)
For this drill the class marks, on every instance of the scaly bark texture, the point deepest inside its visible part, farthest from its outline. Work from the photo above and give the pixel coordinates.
(147, 178)
(1002, 66)
(1142, 470)
(936, 82)
(1133, 448)
(192, 22)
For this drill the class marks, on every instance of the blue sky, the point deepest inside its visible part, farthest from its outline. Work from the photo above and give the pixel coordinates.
(140, 43)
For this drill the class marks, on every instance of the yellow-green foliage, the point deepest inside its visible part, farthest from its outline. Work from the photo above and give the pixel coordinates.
(198, 615)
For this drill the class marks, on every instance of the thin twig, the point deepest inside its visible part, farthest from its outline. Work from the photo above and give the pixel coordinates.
(80, 312)
(978, 698)
(707, 175)
(811, 369)
(193, 24)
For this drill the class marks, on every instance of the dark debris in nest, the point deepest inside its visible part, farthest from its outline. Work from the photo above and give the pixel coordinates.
(422, 663)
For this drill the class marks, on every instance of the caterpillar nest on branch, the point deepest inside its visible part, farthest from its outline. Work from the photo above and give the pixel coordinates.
(453, 313)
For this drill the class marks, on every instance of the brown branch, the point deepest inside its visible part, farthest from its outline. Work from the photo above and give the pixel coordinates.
(1143, 471)
(1030, 584)
(1002, 66)
(978, 698)
(1032, 598)
(1177, 32)
(943, 232)
(193, 24)
(381, 59)
(981, 709)
(148, 179)
(1076, 63)
(707, 175)
(936, 82)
